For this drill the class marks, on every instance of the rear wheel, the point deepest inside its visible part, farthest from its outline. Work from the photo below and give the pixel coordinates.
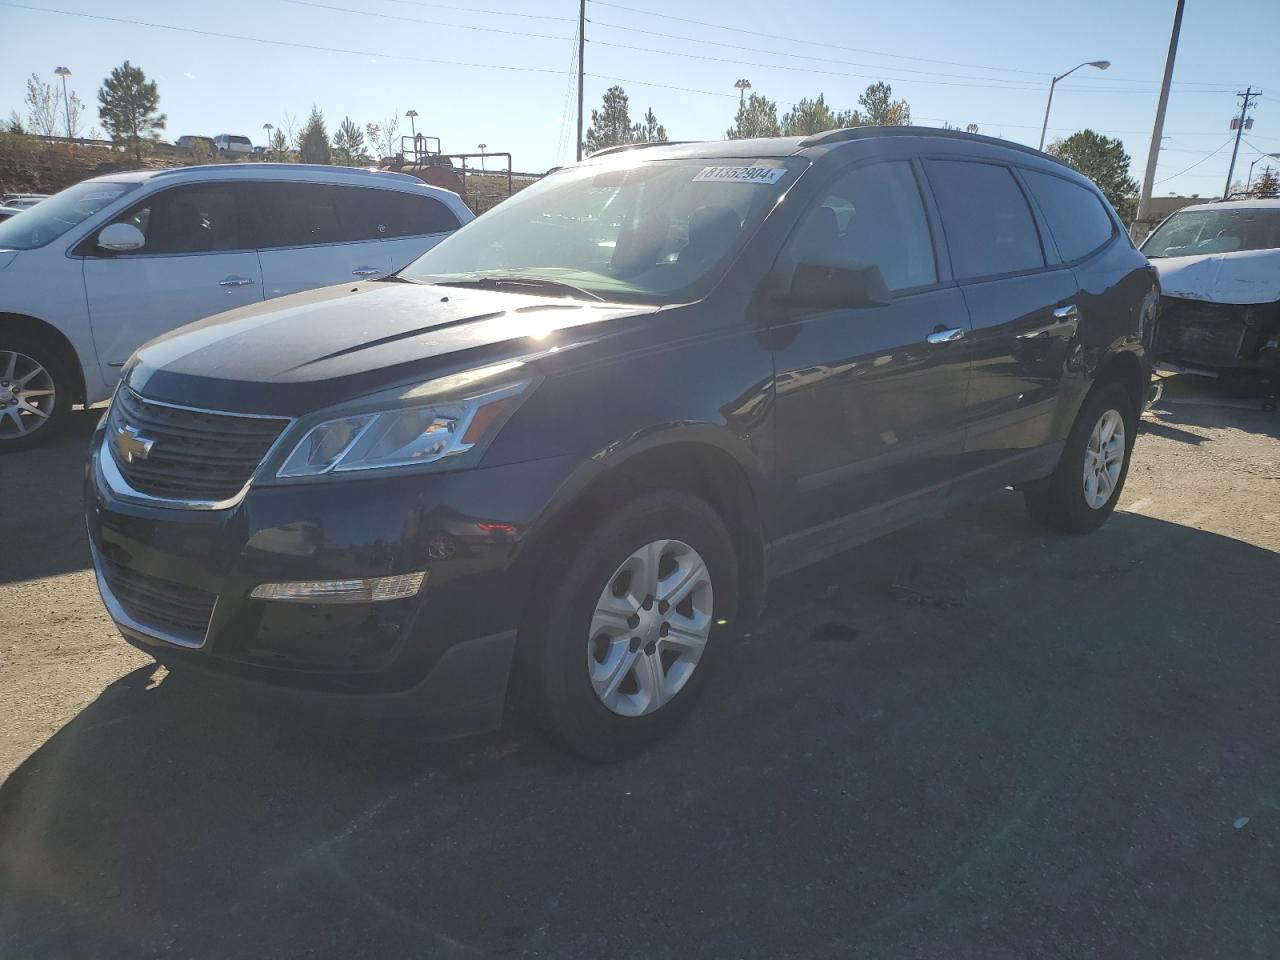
(1083, 490)
(35, 392)
(631, 631)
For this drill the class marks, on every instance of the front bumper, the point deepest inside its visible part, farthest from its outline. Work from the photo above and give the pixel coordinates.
(442, 655)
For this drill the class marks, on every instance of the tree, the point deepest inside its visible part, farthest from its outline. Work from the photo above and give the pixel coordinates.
(279, 146)
(1104, 161)
(1267, 185)
(73, 114)
(813, 116)
(14, 123)
(650, 131)
(348, 143)
(881, 109)
(757, 117)
(385, 136)
(127, 105)
(42, 107)
(610, 125)
(313, 141)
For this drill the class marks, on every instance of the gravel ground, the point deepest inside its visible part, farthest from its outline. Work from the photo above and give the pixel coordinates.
(965, 740)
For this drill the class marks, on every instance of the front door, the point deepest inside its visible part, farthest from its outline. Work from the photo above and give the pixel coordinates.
(198, 260)
(870, 400)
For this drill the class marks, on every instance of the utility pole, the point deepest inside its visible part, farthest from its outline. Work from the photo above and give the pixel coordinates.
(1157, 132)
(1245, 99)
(582, 42)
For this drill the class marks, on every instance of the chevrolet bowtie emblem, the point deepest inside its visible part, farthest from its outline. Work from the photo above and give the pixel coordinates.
(129, 444)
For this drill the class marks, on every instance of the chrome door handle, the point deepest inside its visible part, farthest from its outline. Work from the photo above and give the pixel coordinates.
(1069, 312)
(235, 282)
(946, 336)
(366, 272)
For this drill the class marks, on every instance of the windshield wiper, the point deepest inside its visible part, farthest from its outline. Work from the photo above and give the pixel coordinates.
(533, 283)
(395, 278)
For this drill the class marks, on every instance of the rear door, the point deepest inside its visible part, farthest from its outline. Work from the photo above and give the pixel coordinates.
(311, 235)
(199, 259)
(1021, 303)
(870, 412)
(407, 223)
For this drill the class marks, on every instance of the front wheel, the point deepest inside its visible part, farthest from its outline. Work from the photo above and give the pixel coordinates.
(35, 393)
(1083, 490)
(627, 638)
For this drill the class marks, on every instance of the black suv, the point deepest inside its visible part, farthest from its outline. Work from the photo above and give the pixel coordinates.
(581, 435)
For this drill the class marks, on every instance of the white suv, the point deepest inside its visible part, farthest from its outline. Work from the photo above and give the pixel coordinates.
(89, 275)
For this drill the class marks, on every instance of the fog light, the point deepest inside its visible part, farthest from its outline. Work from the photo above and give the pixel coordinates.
(342, 591)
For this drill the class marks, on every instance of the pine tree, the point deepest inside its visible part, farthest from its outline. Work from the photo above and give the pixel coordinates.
(348, 143)
(313, 141)
(127, 104)
(611, 125)
(757, 117)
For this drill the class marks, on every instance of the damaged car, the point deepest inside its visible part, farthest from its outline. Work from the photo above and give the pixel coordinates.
(1219, 266)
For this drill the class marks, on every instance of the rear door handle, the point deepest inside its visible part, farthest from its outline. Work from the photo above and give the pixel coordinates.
(235, 282)
(943, 335)
(365, 272)
(1069, 312)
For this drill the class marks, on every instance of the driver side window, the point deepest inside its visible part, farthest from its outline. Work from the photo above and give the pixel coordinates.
(871, 215)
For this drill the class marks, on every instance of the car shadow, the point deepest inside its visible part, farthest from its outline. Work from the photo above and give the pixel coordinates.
(38, 484)
(1196, 402)
(1040, 740)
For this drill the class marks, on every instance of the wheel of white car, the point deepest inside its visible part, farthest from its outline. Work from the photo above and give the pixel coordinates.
(35, 392)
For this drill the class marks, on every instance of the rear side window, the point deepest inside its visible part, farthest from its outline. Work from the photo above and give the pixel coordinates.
(198, 218)
(872, 215)
(989, 226)
(300, 214)
(384, 214)
(1076, 217)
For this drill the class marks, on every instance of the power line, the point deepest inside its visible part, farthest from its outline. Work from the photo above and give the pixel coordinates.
(1174, 176)
(432, 23)
(454, 8)
(836, 46)
(375, 54)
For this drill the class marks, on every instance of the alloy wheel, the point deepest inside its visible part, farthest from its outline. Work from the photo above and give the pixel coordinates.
(27, 395)
(1104, 459)
(650, 627)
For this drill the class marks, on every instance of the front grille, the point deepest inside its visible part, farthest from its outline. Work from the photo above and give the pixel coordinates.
(161, 604)
(194, 454)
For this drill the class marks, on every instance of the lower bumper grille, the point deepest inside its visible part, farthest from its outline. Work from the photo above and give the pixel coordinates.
(169, 607)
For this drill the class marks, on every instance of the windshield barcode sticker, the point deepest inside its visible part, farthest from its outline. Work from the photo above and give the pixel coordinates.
(740, 174)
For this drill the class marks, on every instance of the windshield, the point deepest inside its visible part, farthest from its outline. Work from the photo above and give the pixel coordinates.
(1193, 232)
(50, 219)
(657, 231)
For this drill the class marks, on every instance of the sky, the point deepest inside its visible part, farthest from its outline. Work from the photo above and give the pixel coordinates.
(502, 72)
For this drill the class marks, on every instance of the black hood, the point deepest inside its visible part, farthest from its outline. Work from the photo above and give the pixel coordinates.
(311, 350)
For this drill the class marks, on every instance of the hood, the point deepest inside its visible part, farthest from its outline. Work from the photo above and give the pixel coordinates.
(7, 257)
(1250, 276)
(311, 350)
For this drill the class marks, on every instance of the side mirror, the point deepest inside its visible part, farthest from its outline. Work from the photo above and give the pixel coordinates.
(121, 238)
(825, 285)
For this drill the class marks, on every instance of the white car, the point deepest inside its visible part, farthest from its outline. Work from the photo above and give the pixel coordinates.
(231, 143)
(89, 275)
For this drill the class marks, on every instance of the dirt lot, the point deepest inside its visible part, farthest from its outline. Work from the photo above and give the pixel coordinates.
(1071, 748)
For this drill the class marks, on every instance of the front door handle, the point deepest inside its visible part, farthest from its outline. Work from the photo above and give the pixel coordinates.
(943, 335)
(365, 272)
(235, 282)
(1069, 312)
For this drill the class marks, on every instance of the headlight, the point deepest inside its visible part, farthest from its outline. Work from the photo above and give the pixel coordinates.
(402, 437)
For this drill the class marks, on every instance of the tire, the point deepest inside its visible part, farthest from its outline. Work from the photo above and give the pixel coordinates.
(571, 670)
(33, 416)
(1064, 502)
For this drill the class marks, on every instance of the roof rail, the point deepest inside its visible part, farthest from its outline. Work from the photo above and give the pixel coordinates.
(308, 167)
(856, 133)
(623, 147)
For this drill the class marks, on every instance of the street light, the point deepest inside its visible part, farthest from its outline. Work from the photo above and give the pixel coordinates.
(268, 128)
(742, 86)
(63, 72)
(1249, 182)
(483, 145)
(1100, 64)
